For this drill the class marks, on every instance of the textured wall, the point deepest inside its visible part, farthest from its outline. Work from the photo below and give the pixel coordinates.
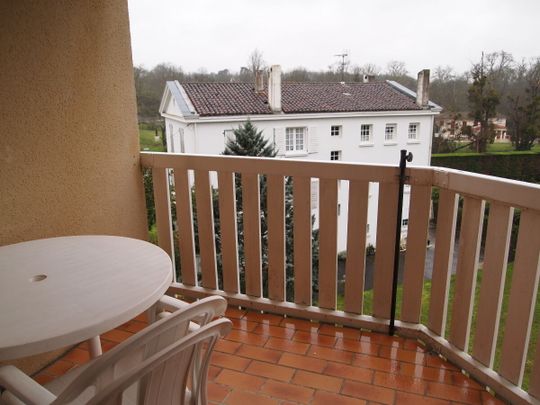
(69, 149)
(69, 159)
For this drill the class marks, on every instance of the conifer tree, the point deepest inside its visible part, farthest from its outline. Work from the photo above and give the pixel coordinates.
(249, 141)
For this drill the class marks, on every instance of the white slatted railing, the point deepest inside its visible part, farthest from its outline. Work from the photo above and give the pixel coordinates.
(475, 192)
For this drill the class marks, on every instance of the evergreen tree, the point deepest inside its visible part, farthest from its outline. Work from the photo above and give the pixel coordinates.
(483, 101)
(248, 141)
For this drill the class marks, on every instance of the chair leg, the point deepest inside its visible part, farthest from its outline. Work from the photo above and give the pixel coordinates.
(94, 345)
(151, 313)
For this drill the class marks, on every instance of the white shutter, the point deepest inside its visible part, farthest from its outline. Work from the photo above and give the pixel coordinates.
(313, 140)
(279, 140)
(314, 194)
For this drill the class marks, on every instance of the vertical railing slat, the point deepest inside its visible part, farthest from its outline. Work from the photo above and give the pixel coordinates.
(184, 218)
(442, 261)
(522, 299)
(356, 246)
(302, 240)
(205, 222)
(276, 237)
(493, 279)
(227, 224)
(252, 233)
(413, 273)
(328, 243)
(162, 201)
(384, 254)
(467, 267)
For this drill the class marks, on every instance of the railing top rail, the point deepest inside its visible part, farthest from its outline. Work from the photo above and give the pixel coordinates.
(276, 166)
(511, 192)
(519, 194)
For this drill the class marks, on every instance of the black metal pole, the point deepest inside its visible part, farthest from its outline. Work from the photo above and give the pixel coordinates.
(405, 157)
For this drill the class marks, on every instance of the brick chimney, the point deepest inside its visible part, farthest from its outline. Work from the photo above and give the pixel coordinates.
(422, 91)
(274, 88)
(259, 81)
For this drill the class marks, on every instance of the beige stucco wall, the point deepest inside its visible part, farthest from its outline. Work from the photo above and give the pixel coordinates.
(69, 146)
(69, 149)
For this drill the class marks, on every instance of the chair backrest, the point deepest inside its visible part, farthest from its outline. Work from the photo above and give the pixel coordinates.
(153, 366)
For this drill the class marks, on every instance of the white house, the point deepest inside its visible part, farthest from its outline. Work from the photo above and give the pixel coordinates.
(365, 122)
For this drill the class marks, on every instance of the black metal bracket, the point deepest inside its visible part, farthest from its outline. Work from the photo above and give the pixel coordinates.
(404, 158)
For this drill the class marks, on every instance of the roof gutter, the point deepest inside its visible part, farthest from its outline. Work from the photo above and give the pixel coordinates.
(297, 116)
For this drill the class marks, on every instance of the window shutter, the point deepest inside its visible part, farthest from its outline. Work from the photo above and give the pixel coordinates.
(313, 140)
(279, 140)
(314, 194)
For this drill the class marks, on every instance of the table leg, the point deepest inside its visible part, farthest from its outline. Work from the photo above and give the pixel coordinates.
(94, 345)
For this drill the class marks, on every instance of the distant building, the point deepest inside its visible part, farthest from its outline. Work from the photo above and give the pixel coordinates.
(455, 128)
(365, 122)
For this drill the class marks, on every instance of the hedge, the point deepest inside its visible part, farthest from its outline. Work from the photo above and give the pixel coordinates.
(513, 165)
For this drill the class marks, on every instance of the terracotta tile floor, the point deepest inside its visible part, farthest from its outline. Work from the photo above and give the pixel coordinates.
(269, 359)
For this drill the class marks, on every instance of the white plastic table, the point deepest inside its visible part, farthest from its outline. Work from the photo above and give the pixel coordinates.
(60, 291)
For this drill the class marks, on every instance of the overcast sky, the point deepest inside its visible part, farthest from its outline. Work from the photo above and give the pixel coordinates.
(217, 35)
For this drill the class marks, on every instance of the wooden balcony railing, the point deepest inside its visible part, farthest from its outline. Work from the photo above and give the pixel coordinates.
(502, 196)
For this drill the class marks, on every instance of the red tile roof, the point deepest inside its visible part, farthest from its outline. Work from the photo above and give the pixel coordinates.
(215, 99)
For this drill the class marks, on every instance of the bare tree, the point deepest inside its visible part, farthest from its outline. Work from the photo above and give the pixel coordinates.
(255, 61)
(298, 74)
(370, 69)
(524, 112)
(443, 73)
(396, 68)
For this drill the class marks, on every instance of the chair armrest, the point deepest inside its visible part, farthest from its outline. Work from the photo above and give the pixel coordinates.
(170, 304)
(23, 387)
(167, 305)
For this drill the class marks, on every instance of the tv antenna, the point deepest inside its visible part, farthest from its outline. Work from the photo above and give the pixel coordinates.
(342, 64)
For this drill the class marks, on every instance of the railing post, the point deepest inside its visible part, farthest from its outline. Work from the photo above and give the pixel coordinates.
(405, 157)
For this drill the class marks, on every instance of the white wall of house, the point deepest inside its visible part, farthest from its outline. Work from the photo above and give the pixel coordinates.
(207, 136)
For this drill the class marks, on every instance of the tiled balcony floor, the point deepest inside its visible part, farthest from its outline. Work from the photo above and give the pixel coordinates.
(269, 359)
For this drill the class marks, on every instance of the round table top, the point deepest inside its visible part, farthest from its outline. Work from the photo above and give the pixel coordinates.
(60, 291)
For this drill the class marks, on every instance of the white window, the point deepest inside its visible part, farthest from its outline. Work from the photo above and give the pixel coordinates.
(365, 133)
(390, 132)
(335, 130)
(295, 139)
(414, 129)
(335, 155)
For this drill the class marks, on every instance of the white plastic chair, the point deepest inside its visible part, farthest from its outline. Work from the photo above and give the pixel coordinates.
(152, 367)
(164, 307)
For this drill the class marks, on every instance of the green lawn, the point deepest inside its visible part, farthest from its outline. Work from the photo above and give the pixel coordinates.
(502, 147)
(148, 142)
(368, 302)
